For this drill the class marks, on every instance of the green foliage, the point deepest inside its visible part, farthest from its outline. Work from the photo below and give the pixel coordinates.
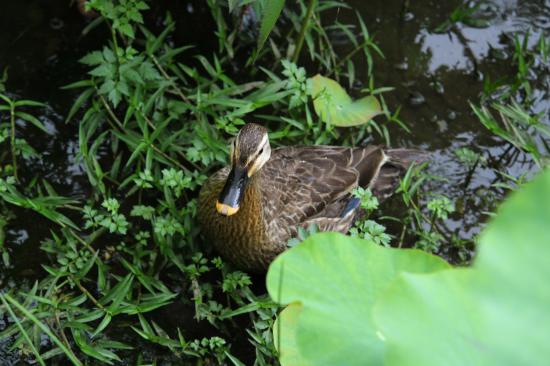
(14, 107)
(486, 314)
(163, 116)
(441, 207)
(271, 12)
(518, 127)
(468, 157)
(122, 14)
(297, 83)
(425, 223)
(507, 108)
(10, 303)
(368, 229)
(345, 277)
(369, 202)
(110, 219)
(154, 120)
(467, 13)
(371, 231)
(119, 72)
(46, 204)
(284, 333)
(364, 304)
(334, 106)
(303, 234)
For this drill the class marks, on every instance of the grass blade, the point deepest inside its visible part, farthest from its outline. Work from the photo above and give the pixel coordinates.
(23, 332)
(68, 352)
(271, 13)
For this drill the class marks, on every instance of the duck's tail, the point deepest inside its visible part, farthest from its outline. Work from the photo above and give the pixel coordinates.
(396, 164)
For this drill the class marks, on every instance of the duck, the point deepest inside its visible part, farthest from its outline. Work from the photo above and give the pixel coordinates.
(249, 210)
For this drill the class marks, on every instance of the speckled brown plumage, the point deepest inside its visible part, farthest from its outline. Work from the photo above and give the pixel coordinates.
(297, 187)
(242, 238)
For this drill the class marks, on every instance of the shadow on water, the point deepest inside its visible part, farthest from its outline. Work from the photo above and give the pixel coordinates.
(435, 76)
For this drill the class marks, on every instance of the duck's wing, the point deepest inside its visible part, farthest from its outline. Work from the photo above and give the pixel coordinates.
(305, 183)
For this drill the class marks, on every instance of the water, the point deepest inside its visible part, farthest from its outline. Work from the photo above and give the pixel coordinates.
(40, 46)
(435, 77)
(447, 70)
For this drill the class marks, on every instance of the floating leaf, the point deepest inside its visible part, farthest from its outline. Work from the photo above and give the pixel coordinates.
(337, 279)
(494, 313)
(333, 105)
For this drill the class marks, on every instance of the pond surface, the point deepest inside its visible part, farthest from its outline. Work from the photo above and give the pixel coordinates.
(435, 76)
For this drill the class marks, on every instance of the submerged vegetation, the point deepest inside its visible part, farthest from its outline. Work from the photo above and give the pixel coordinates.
(127, 278)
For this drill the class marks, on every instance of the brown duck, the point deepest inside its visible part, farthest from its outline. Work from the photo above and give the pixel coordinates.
(250, 209)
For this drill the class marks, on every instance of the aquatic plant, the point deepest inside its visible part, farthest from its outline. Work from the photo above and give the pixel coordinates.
(151, 124)
(365, 304)
(126, 277)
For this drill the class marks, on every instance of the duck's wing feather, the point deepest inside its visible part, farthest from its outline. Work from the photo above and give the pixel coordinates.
(309, 182)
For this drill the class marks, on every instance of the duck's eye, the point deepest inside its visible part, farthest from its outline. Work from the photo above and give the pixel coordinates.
(261, 151)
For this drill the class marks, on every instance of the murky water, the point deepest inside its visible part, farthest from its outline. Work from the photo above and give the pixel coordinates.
(40, 44)
(435, 76)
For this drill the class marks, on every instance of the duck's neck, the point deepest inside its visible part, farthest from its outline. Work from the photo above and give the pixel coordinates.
(251, 202)
(253, 192)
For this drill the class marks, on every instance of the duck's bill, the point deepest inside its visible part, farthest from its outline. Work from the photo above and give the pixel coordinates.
(233, 192)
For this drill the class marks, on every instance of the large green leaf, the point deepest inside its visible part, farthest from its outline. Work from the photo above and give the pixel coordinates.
(271, 12)
(337, 279)
(333, 105)
(495, 313)
(284, 334)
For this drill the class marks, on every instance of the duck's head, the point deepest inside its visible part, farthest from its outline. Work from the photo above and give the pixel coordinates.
(250, 150)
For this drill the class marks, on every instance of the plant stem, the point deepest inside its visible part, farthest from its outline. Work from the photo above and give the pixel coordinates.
(402, 236)
(351, 54)
(433, 223)
(87, 293)
(121, 128)
(170, 80)
(63, 336)
(305, 24)
(12, 141)
(324, 35)
(182, 155)
(83, 242)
